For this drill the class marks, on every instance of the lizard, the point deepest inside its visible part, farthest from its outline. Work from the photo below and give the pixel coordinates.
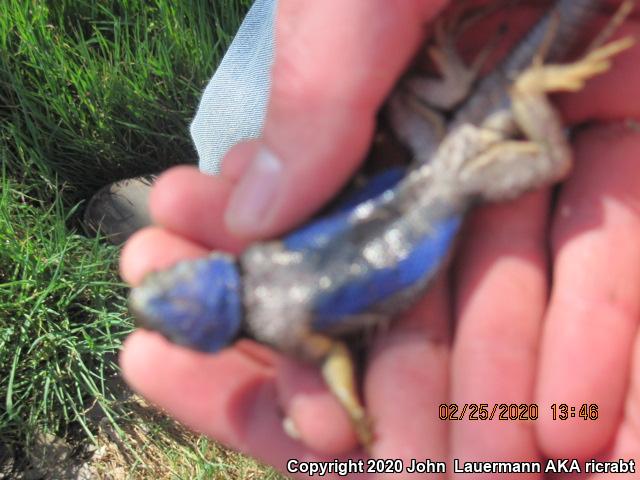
(373, 256)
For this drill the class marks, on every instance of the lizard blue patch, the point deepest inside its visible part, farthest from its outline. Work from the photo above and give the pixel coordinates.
(377, 185)
(195, 304)
(318, 232)
(332, 308)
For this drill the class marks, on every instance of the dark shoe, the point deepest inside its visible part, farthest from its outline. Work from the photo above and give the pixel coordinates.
(119, 209)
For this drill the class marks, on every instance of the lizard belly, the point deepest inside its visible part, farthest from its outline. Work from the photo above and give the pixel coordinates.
(375, 289)
(351, 269)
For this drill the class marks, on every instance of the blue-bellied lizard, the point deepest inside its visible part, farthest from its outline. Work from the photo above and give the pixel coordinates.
(365, 262)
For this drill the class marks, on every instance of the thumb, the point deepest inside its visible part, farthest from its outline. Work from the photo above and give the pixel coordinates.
(335, 63)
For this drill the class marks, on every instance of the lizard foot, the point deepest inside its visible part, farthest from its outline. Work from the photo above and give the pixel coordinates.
(570, 77)
(457, 76)
(415, 111)
(339, 374)
(509, 168)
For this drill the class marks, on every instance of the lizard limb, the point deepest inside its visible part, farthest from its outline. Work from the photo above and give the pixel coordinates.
(339, 374)
(415, 125)
(512, 167)
(415, 110)
(457, 77)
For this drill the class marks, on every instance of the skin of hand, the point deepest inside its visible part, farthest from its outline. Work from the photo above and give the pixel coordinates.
(544, 294)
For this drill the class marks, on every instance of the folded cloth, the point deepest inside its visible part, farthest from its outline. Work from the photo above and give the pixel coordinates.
(234, 102)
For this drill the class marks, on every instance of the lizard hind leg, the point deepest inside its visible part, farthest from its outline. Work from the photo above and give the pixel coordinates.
(511, 167)
(338, 372)
(533, 112)
(339, 375)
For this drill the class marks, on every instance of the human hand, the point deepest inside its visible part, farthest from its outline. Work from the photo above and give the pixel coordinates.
(511, 344)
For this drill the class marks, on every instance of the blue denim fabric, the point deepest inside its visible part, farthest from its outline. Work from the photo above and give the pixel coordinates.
(234, 102)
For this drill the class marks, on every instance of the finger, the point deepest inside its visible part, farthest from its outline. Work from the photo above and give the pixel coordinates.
(407, 379)
(501, 295)
(626, 444)
(613, 95)
(595, 303)
(154, 249)
(228, 396)
(334, 64)
(190, 204)
(319, 420)
(180, 381)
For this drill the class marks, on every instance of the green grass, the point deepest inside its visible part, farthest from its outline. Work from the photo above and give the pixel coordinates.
(62, 317)
(91, 92)
(105, 90)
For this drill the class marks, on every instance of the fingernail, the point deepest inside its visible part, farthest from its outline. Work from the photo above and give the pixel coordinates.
(255, 193)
